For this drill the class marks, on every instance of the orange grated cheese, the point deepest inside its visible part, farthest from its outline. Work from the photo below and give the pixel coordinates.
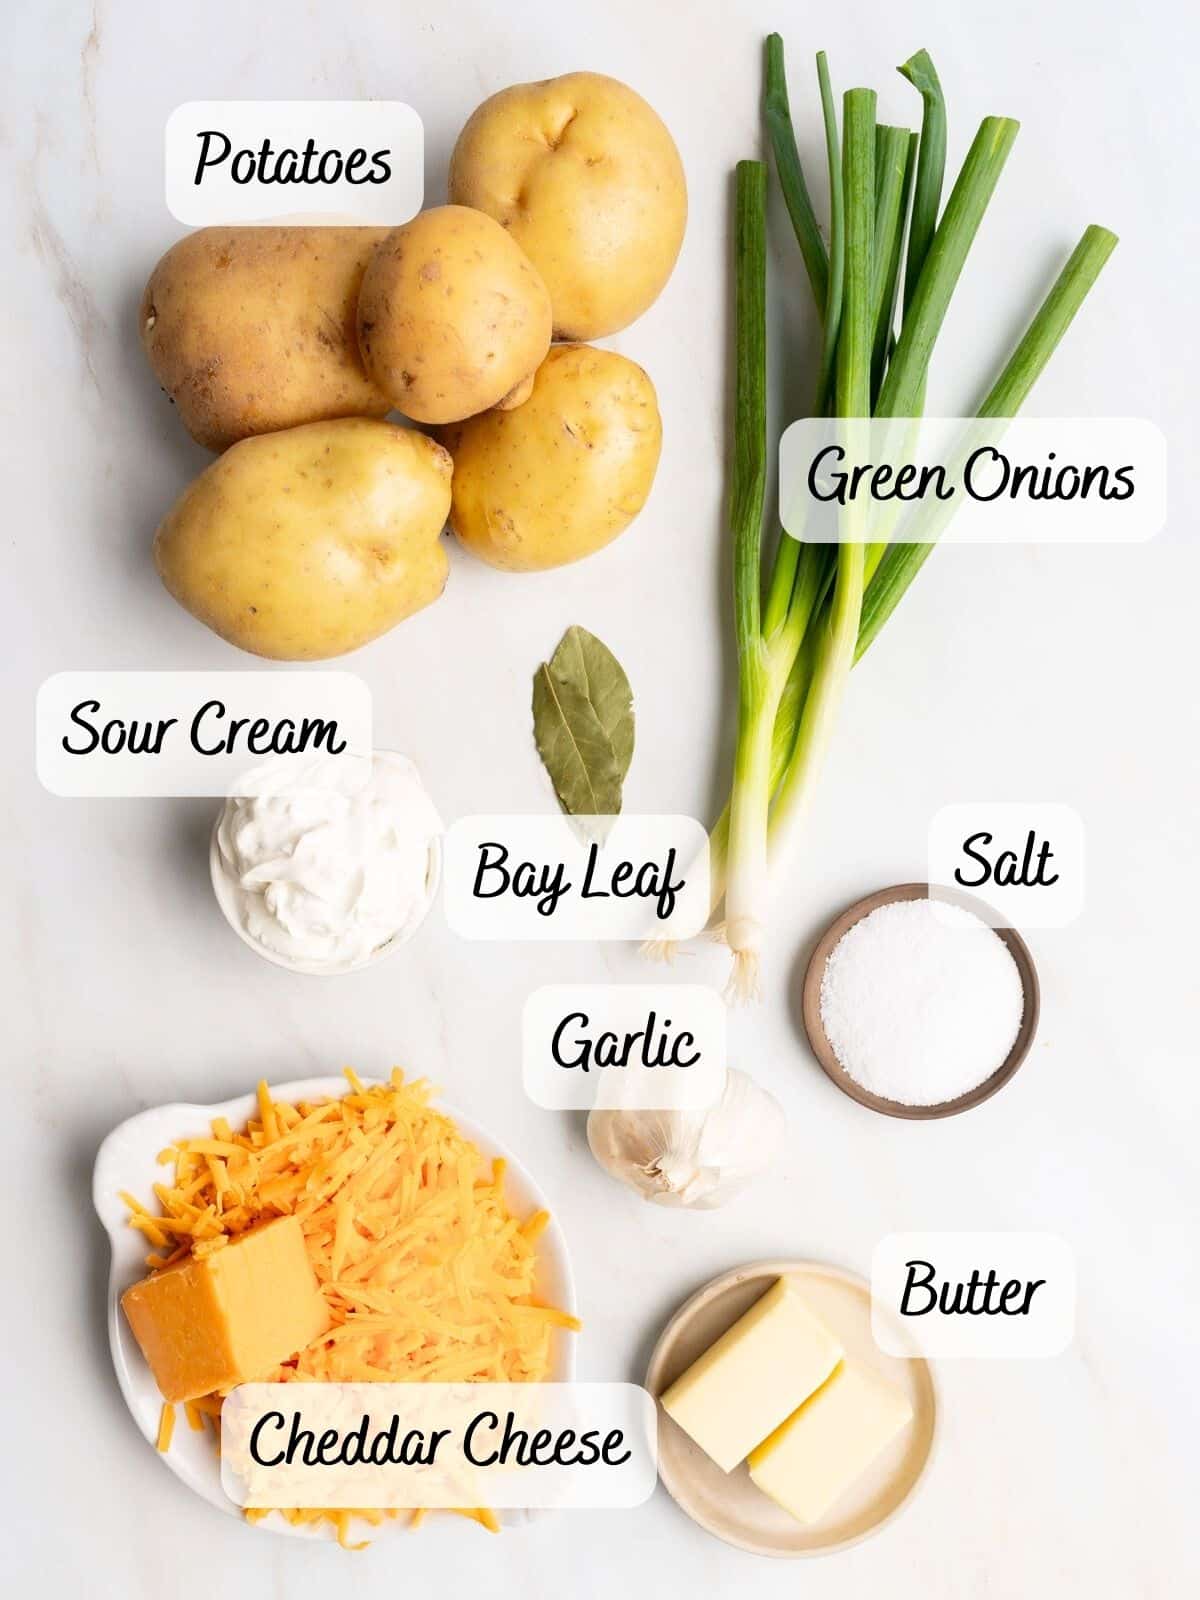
(166, 1427)
(480, 1514)
(427, 1275)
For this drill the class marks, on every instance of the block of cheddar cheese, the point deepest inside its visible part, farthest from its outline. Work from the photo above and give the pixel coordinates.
(228, 1317)
(754, 1376)
(811, 1460)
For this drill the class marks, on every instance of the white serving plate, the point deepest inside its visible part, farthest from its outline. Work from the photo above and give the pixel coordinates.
(126, 1160)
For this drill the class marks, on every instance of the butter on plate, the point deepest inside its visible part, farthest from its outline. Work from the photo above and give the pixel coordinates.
(753, 1377)
(810, 1460)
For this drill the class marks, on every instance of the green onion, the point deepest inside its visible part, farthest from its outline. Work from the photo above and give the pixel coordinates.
(902, 391)
(1009, 392)
(745, 910)
(797, 587)
(825, 605)
(858, 201)
(777, 115)
(895, 160)
(750, 431)
(903, 386)
(931, 165)
(789, 596)
(752, 757)
(1038, 343)
(836, 640)
(837, 234)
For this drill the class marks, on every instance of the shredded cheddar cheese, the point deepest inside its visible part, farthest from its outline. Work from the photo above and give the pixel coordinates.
(166, 1427)
(426, 1274)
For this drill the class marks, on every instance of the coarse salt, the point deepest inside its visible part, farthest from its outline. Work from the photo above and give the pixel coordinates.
(921, 1004)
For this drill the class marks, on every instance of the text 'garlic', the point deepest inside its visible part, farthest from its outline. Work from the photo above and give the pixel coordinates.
(691, 1158)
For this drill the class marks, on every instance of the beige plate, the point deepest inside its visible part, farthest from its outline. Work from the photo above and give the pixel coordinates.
(728, 1504)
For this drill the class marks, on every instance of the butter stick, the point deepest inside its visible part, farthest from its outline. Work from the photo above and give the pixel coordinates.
(753, 1377)
(810, 1461)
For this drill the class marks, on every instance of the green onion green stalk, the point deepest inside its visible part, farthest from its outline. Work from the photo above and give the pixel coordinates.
(801, 625)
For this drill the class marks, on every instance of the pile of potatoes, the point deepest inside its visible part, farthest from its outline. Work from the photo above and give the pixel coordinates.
(319, 526)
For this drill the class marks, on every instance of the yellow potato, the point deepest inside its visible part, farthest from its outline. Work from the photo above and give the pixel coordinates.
(309, 542)
(451, 316)
(253, 329)
(586, 178)
(563, 474)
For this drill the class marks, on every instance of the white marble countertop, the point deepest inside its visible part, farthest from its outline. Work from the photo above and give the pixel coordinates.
(1019, 673)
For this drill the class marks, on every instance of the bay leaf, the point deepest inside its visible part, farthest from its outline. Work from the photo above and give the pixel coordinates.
(589, 665)
(574, 746)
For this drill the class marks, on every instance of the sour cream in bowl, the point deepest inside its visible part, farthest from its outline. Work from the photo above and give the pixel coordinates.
(326, 866)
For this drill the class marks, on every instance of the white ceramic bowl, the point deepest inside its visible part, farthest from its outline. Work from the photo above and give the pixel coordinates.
(126, 1160)
(227, 900)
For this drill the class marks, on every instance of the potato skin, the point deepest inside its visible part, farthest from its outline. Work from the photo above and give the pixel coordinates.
(451, 315)
(563, 474)
(587, 179)
(254, 329)
(305, 543)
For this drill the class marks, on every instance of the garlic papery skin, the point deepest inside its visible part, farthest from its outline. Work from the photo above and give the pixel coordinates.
(697, 1159)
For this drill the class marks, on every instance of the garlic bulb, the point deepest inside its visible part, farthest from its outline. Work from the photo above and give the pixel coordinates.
(691, 1158)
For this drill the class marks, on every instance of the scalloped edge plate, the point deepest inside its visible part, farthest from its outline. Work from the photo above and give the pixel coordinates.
(127, 1160)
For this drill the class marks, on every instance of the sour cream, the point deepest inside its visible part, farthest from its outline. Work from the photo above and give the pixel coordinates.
(323, 866)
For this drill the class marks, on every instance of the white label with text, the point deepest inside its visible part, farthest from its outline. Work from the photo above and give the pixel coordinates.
(983, 1295)
(550, 877)
(275, 161)
(102, 735)
(511, 1446)
(970, 480)
(645, 1047)
(1024, 862)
